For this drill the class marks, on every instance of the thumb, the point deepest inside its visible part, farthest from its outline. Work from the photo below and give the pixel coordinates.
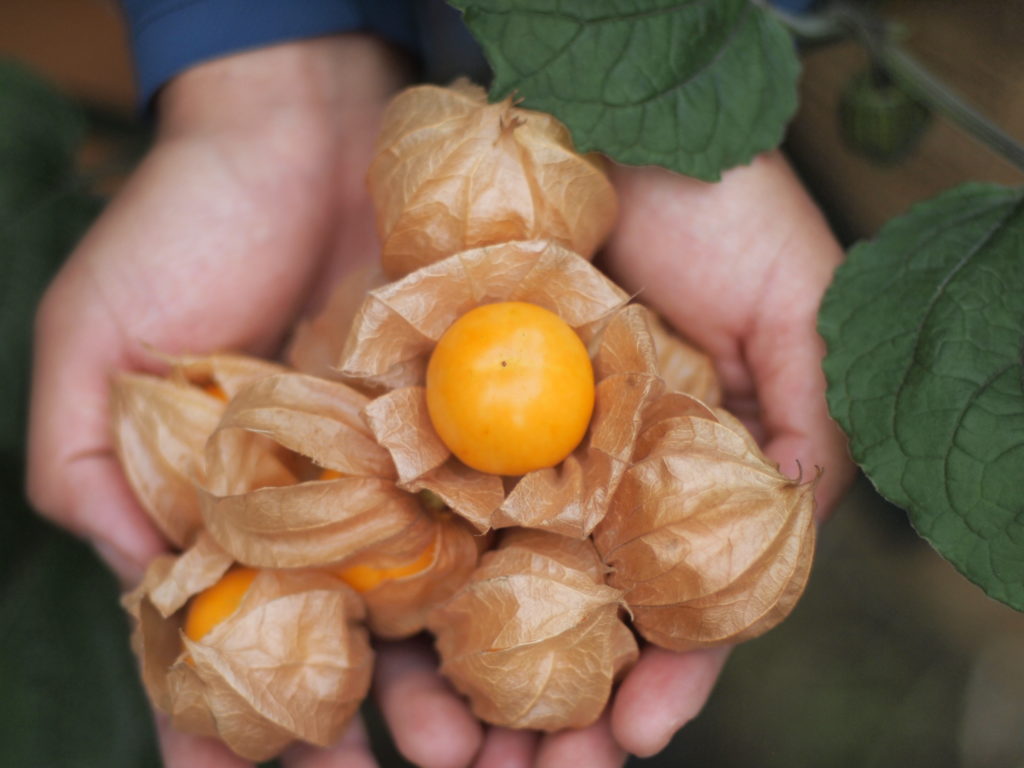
(801, 436)
(74, 477)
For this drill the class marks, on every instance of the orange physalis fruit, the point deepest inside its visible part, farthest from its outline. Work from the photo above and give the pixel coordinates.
(215, 390)
(363, 578)
(510, 388)
(211, 606)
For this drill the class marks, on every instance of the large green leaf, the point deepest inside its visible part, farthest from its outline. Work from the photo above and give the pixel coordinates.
(925, 334)
(697, 86)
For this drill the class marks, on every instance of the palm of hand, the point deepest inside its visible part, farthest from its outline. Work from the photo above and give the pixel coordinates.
(197, 253)
(739, 268)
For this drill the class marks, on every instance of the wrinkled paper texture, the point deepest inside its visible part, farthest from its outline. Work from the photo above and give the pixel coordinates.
(264, 501)
(398, 607)
(452, 172)
(160, 428)
(708, 541)
(535, 639)
(398, 325)
(291, 663)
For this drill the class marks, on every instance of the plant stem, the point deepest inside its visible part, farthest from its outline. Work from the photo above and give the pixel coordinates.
(928, 89)
(842, 19)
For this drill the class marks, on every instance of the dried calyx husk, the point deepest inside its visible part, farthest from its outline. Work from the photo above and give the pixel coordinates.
(317, 342)
(292, 662)
(452, 172)
(295, 478)
(160, 426)
(710, 543)
(397, 327)
(682, 366)
(535, 639)
(405, 577)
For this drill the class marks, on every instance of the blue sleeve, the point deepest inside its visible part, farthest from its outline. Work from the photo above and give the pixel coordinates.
(168, 36)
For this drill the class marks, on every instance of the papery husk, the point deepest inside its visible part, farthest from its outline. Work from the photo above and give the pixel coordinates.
(452, 172)
(398, 324)
(396, 330)
(170, 580)
(535, 639)
(709, 541)
(572, 498)
(227, 371)
(274, 514)
(317, 343)
(398, 607)
(292, 663)
(160, 427)
(682, 366)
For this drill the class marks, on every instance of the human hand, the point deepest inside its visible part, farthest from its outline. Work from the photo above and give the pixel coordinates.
(739, 268)
(252, 197)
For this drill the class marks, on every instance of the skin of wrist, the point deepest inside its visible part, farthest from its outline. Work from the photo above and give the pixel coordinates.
(310, 105)
(317, 77)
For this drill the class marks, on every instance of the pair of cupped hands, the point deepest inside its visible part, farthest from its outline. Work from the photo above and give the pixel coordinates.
(250, 205)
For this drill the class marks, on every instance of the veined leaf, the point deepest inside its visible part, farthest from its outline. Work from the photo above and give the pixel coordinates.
(925, 331)
(697, 86)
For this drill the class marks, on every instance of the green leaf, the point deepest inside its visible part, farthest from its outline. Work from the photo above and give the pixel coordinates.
(697, 86)
(925, 334)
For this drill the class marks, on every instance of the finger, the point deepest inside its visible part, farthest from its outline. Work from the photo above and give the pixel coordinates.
(506, 748)
(785, 354)
(351, 751)
(432, 727)
(108, 516)
(73, 476)
(663, 692)
(185, 750)
(593, 746)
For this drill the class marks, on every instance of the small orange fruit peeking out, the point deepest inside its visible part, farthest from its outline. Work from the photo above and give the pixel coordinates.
(510, 388)
(215, 390)
(214, 604)
(363, 578)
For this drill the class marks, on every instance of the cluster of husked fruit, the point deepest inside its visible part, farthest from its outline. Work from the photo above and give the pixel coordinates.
(487, 440)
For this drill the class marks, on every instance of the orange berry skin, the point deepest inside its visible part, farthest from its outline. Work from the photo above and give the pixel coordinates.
(510, 388)
(363, 578)
(214, 604)
(215, 390)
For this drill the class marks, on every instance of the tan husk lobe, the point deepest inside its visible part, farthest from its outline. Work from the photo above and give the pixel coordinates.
(535, 639)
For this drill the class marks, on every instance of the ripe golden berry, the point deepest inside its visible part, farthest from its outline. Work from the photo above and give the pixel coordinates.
(510, 388)
(363, 578)
(215, 390)
(214, 604)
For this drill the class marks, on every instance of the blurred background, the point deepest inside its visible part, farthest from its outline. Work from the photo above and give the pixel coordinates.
(891, 658)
